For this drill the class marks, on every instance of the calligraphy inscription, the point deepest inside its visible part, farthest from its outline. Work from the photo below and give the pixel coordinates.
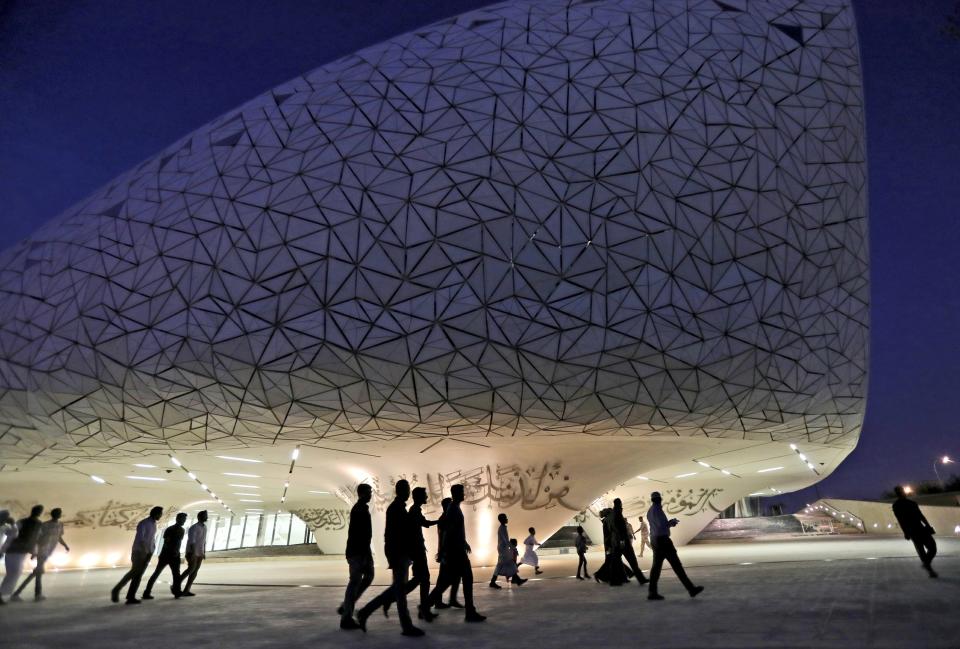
(541, 486)
(324, 519)
(686, 502)
(115, 514)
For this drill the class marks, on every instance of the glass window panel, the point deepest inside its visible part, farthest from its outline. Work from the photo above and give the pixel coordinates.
(281, 531)
(250, 533)
(298, 530)
(236, 532)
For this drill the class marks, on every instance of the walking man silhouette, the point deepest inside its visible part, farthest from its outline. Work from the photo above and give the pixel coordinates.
(506, 563)
(581, 545)
(421, 571)
(456, 552)
(51, 535)
(359, 556)
(396, 547)
(663, 549)
(626, 541)
(169, 556)
(144, 543)
(24, 543)
(196, 551)
(916, 528)
(444, 577)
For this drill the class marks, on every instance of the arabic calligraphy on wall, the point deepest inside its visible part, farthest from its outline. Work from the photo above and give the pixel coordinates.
(685, 502)
(323, 519)
(540, 486)
(115, 514)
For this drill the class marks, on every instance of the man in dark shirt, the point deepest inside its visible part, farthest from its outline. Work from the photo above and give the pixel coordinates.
(444, 577)
(169, 556)
(396, 547)
(418, 551)
(455, 553)
(28, 533)
(916, 528)
(626, 541)
(359, 556)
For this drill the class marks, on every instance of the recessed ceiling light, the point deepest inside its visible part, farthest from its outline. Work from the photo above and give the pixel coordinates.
(773, 468)
(175, 461)
(243, 475)
(703, 464)
(251, 501)
(642, 477)
(145, 477)
(724, 472)
(239, 459)
(98, 479)
(237, 493)
(685, 475)
(245, 486)
(319, 492)
(756, 493)
(146, 466)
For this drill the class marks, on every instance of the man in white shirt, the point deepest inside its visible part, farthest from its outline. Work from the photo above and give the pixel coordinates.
(144, 544)
(196, 551)
(663, 549)
(51, 535)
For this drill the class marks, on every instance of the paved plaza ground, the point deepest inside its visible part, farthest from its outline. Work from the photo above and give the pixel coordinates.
(860, 592)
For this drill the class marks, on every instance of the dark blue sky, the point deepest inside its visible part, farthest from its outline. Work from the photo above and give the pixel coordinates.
(89, 89)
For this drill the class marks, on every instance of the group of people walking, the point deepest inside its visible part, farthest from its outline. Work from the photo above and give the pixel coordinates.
(144, 546)
(28, 536)
(404, 548)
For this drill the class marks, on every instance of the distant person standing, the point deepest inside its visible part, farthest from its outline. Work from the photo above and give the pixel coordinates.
(196, 551)
(644, 536)
(581, 546)
(359, 556)
(24, 543)
(625, 535)
(444, 577)
(916, 528)
(144, 544)
(529, 553)
(169, 556)
(51, 535)
(396, 547)
(663, 549)
(456, 552)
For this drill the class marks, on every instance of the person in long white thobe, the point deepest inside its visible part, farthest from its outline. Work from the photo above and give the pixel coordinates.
(506, 559)
(529, 554)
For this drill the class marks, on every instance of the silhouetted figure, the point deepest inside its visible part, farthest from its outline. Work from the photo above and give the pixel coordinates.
(916, 528)
(456, 552)
(448, 581)
(359, 556)
(418, 550)
(144, 543)
(169, 556)
(663, 549)
(581, 546)
(24, 543)
(51, 535)
(196, 551)
(612, 571)
(644, 536)
(626, 541)
(8, 530)
(506, 559)
(396, 547)
(529, 553)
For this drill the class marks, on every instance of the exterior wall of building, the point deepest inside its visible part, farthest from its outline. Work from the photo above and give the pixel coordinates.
(878, 518)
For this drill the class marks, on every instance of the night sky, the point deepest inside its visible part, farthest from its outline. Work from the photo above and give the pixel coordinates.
(90, 89)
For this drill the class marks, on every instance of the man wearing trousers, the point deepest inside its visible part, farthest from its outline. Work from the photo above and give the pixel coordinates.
(51, 535)
(359, 556)
(916, 528)
(144, 544)
(28, 533)
(196, 551)
(663, 549)
(169, 556)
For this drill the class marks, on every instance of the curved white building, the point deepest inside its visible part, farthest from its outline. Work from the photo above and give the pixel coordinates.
(542, 248)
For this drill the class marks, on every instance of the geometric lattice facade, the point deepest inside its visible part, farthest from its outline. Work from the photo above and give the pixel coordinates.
(609, 217)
